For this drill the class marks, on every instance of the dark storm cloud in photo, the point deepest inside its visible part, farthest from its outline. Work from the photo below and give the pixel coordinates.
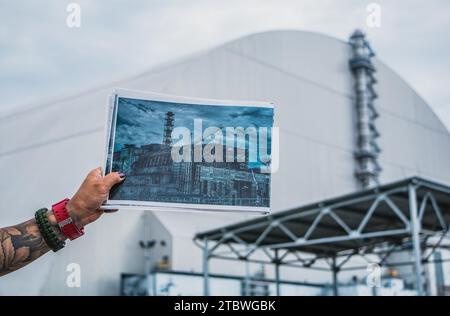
(141, 122)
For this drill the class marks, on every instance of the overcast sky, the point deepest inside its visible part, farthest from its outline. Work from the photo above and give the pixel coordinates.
(41, 57)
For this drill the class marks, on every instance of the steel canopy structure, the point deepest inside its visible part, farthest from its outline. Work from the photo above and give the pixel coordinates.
(378, 221)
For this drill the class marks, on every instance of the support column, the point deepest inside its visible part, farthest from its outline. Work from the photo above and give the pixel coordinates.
(247, 275)
(277, 273)
(415, 230)
(335, 271)
(205, 268)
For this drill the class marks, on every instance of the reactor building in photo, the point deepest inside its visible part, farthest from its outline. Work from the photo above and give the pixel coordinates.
(152, 175)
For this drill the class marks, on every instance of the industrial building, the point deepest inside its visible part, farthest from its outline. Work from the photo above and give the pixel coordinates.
(352, 131)
(216, 183)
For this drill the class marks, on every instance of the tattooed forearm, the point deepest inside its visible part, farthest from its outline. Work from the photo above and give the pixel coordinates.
(20, 245)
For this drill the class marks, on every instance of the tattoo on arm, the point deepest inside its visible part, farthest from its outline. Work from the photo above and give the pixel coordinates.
(20, 245)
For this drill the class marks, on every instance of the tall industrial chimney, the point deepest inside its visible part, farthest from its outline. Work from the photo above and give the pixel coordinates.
(168, 128)
(367, 150)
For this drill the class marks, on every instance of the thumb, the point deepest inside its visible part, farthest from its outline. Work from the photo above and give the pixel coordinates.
(112, 179)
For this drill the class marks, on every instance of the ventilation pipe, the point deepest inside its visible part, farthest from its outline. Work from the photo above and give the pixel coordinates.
(367, 150)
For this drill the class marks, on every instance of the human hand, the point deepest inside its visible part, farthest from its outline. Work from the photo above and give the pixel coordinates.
(84, 205)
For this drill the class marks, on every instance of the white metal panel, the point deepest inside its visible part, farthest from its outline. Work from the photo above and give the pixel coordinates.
(426, 116)
(395, 96)
(311, 56)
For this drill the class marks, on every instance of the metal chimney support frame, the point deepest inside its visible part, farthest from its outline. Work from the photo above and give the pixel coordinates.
(168, 128)
(367, 151)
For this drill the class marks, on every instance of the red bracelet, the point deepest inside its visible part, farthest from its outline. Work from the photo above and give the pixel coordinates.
(65, 222)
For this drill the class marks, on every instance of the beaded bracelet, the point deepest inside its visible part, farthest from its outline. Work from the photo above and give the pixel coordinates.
(50, 237)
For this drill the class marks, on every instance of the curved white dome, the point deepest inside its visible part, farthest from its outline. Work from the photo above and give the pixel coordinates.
(47, 149)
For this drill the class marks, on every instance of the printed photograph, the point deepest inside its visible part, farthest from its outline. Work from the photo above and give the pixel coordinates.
(192, 153)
